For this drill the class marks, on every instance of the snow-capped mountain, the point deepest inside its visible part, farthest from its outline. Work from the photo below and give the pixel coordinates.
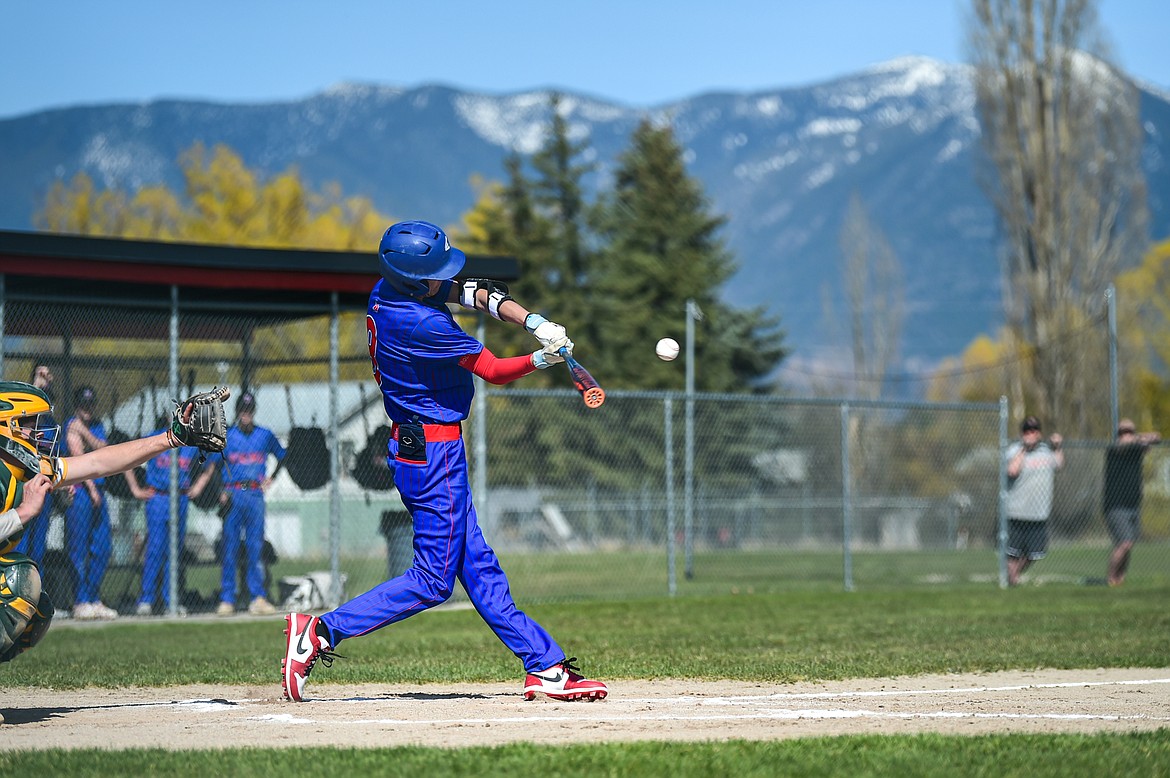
(780, 164)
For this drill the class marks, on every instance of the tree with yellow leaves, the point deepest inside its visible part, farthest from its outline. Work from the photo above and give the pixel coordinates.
(224, 202)
(1143, 326)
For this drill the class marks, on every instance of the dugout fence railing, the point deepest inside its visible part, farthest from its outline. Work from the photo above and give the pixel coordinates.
(765, 493)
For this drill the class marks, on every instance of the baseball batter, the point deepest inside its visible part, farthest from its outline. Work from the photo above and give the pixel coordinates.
(423, 363)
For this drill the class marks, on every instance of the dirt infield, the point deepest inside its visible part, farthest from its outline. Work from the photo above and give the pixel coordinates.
(198, 717)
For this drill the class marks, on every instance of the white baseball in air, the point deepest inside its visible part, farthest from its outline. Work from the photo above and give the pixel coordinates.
(667, 349)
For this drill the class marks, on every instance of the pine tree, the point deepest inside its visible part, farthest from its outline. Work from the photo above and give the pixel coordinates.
(504, 222)
(660, 248)
(558, 202)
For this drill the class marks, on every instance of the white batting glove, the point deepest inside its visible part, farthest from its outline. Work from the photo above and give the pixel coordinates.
(550, 334)
(551, 354)
(543, 359)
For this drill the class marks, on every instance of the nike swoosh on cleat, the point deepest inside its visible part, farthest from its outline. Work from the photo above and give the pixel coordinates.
(554, 679)
(302, 652)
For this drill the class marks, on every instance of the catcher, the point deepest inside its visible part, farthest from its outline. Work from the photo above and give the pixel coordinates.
(31, 468)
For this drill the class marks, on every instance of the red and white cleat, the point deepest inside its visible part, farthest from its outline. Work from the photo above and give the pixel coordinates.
(302, 649)
(563, 681)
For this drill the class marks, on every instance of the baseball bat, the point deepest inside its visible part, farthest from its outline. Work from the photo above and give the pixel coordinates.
(591, 391)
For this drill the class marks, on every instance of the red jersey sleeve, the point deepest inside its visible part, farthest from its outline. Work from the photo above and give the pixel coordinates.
(496, 370)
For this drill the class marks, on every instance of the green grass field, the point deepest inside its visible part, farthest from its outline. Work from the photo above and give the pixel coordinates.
(769, 637)
(621, 575)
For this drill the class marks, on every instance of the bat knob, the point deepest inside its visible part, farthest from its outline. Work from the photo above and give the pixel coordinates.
(594, 397)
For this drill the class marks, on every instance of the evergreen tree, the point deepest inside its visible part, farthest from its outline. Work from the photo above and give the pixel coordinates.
(660, 248)
(556, 195)
(504, 222)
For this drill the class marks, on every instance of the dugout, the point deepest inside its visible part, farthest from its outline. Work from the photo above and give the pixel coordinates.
(121, 315)
(65, 288)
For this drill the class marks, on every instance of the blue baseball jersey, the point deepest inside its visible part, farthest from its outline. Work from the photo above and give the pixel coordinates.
(158, 470)
(416, 350)
(247, 453)
(416, 347)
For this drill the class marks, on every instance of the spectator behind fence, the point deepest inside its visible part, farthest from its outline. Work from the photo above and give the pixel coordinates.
(87, 520)
(1122, 495)
(156, 557)
(35, 540)
(1031, 467)
(245, 480)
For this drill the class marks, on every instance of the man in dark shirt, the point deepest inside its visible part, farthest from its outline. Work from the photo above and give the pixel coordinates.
(1123, 494)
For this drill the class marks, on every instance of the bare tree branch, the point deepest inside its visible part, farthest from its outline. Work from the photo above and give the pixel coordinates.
(1062, 136)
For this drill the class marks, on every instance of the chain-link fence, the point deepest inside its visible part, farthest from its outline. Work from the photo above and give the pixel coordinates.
(654, 493)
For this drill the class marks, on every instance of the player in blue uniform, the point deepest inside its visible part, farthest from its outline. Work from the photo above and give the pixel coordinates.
(156, 555)
(245, 480)
(87, 520)
(423, 363)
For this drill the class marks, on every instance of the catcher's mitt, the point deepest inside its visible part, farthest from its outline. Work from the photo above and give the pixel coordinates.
(200, 421)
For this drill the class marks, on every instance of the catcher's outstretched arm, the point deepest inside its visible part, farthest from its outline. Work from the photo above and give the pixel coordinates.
(109, 460)
(198, 421)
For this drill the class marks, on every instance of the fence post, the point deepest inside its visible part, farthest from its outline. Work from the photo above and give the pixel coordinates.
(1002, 467)
(846, 499)
(482, 499)
(1111, 304)
(668, 437)
(173, 527)
(689, 463)
(335, 592)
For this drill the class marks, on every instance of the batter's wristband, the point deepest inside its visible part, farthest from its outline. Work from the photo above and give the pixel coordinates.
(496, 298)
(467, 293)
(532, 321)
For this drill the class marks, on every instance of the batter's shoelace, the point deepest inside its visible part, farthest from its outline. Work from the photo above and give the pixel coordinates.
(326, 658)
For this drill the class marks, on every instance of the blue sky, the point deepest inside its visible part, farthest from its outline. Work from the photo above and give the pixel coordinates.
(69, 52)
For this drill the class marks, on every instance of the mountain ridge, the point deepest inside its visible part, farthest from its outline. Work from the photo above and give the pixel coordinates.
(780, 164)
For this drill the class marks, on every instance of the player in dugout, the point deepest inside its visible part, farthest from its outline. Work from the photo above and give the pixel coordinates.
(423, 362)
(31, 468)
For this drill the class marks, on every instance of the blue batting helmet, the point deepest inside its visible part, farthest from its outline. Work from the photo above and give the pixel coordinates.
(414, 252)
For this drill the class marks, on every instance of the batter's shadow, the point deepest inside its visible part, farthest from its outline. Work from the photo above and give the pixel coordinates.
(421, 697)
(17, 716)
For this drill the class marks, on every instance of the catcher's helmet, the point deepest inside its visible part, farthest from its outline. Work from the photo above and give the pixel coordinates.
(27, 428)
(412, 253)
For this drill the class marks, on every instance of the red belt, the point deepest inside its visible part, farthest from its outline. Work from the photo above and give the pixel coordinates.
(435, 432)
(245, 485)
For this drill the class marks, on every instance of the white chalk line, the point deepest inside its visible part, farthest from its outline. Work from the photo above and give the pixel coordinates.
(748, 699)
(782, 714)
(775, 714)
(205, 705)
